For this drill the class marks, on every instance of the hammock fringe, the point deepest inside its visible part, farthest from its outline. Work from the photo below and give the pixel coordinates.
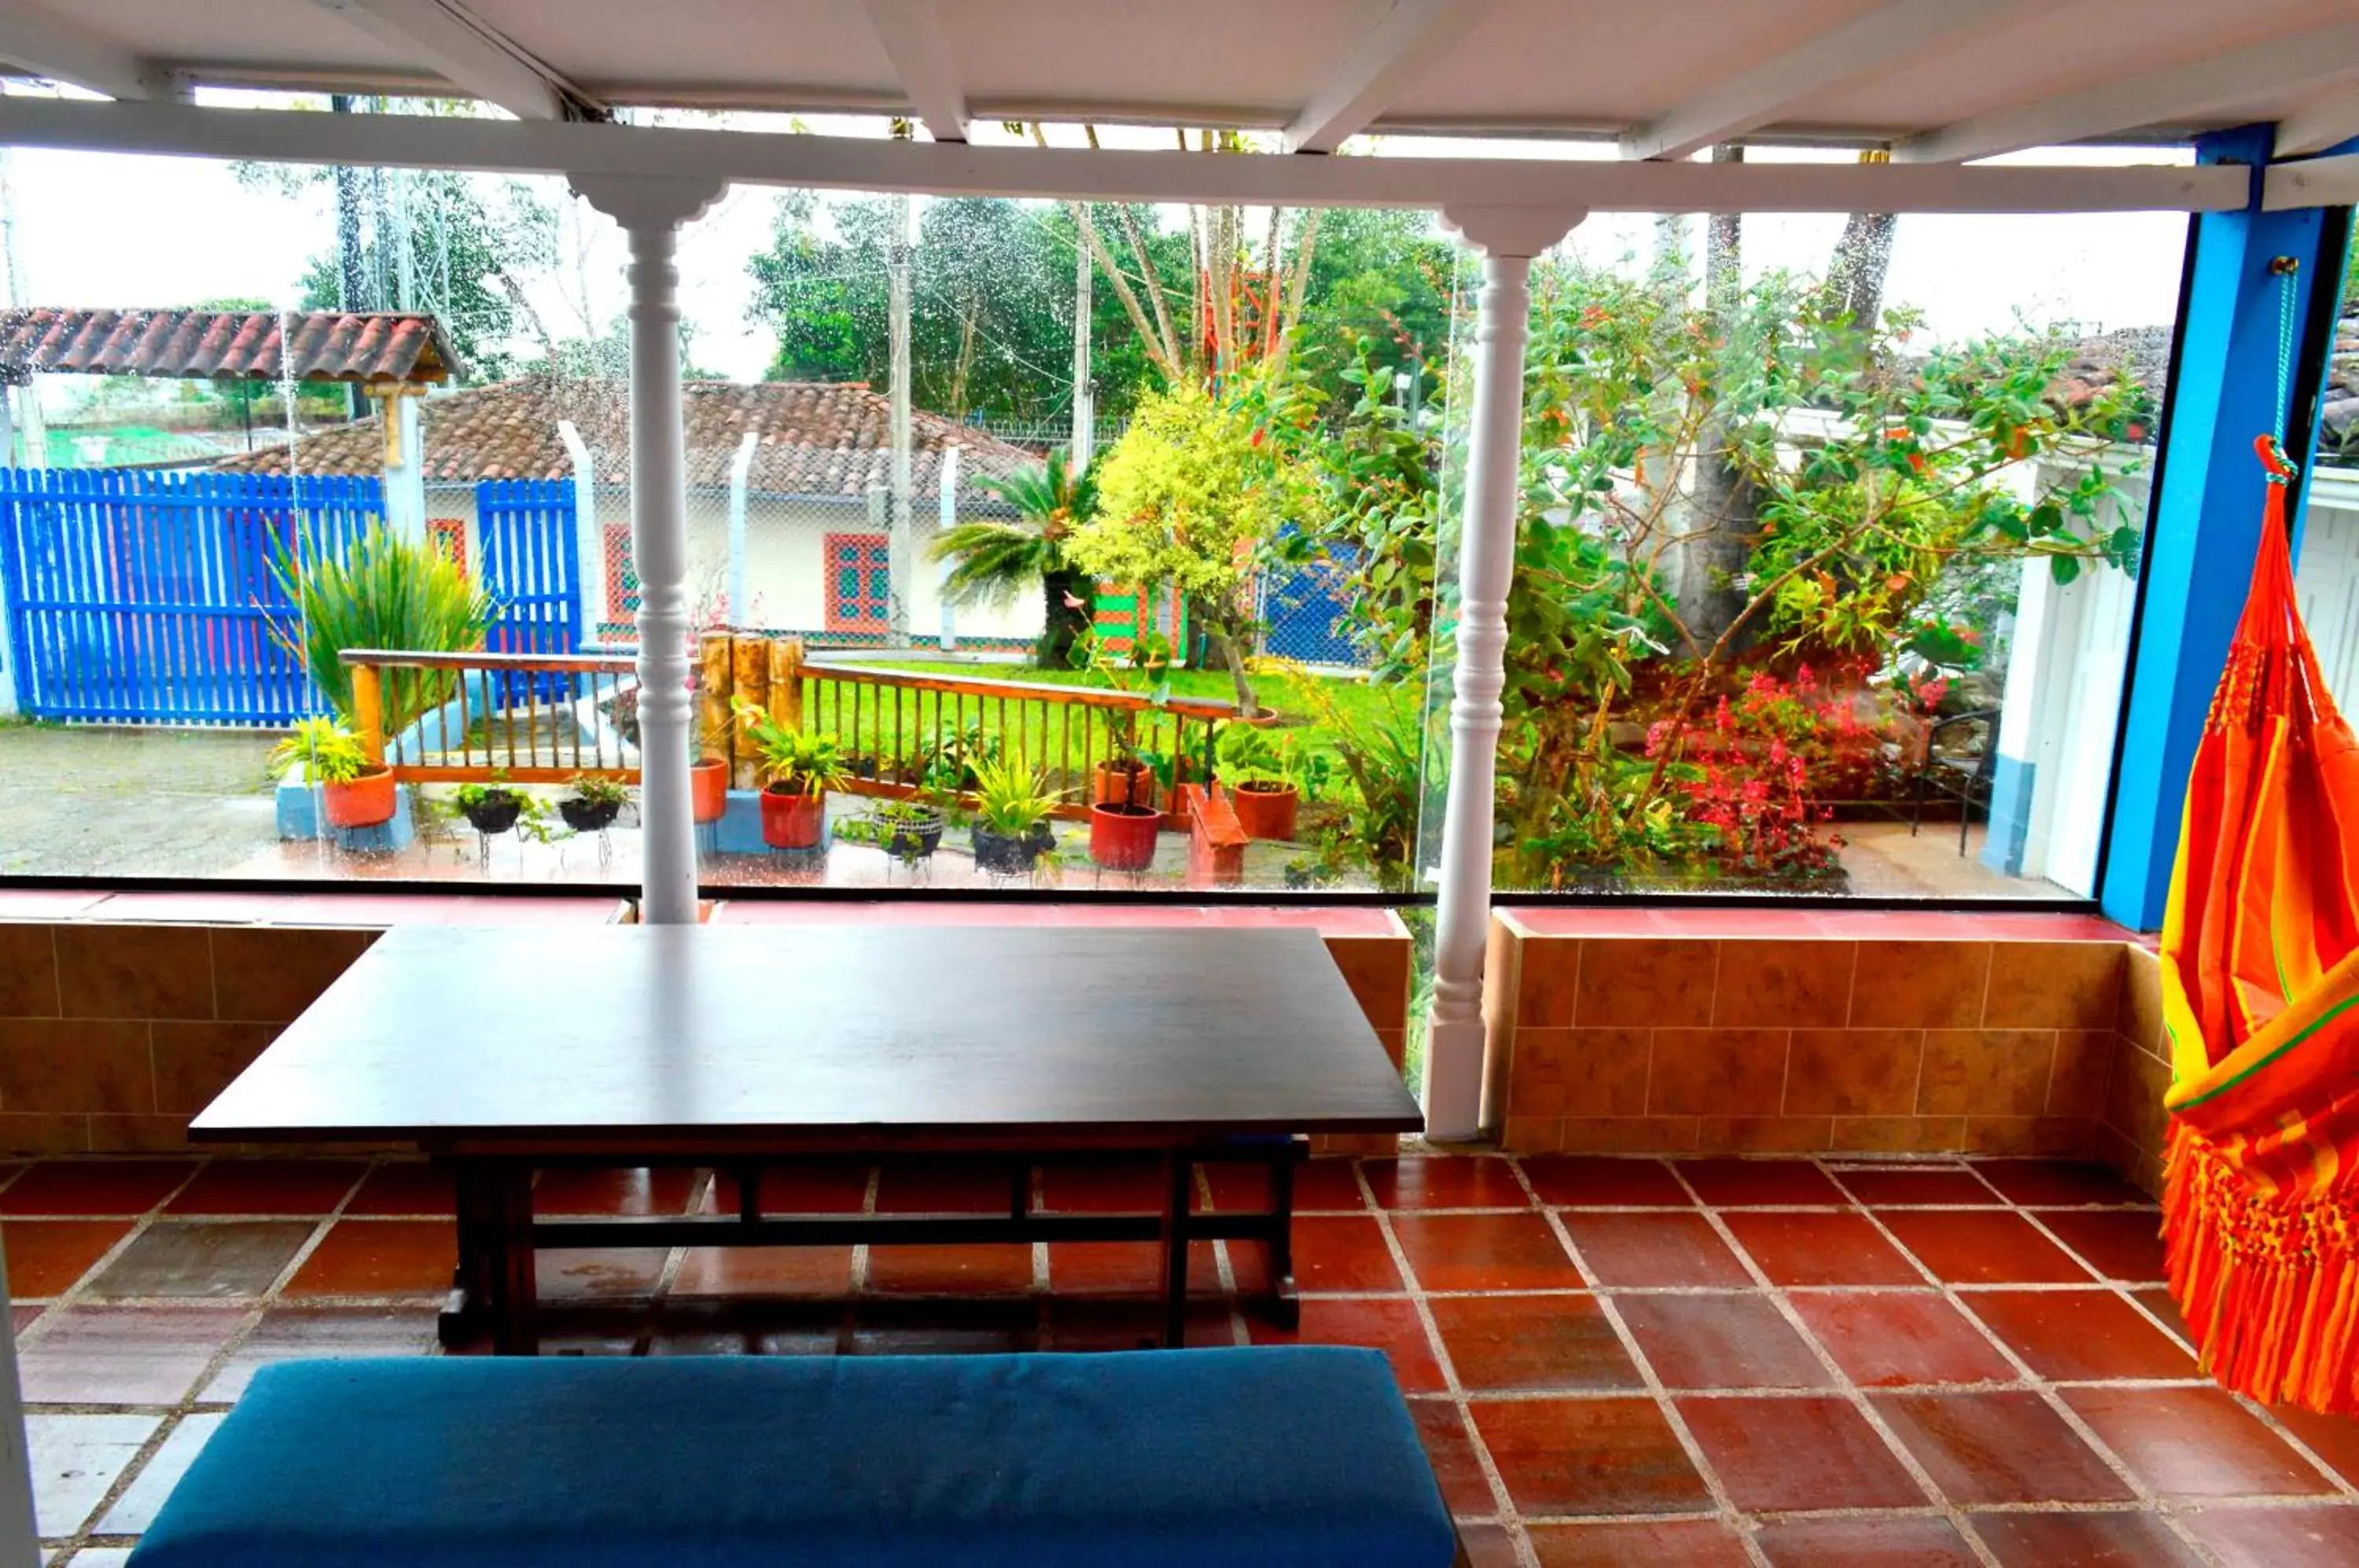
(2267, 1282)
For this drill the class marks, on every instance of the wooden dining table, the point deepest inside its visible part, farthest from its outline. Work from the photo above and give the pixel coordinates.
(502, 1051)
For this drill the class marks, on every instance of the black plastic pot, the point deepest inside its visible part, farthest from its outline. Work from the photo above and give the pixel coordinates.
(1004, 855)
(913, 839)
(494, 814)
(588, 816)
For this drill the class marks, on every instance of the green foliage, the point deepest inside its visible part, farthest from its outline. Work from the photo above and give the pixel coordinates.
(1249, 754)
(387, 592)
(793, 761)
(1380, 753)
(994, 560)
(329, 753)
(598, 790)
(948, 765)
(1012, 798)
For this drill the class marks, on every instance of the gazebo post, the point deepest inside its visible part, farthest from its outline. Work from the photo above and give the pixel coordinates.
(1508, 238)
(651, 209)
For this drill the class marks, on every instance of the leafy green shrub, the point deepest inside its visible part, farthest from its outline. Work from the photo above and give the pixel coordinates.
(387, 592)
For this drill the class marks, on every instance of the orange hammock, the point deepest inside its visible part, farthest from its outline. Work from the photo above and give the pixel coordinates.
(2260, 999)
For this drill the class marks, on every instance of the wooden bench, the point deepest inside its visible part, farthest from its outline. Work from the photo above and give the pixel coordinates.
(1279, 1457)
(1216, 842)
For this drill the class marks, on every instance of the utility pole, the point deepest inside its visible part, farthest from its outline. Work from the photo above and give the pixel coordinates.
(1085, 402)
(352, 283)
(28, 391)
(899, 541)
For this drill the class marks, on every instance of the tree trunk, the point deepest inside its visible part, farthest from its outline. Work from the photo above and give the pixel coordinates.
(1863, 256)
(1717, 522)
(1223, 644)
(1062, 624)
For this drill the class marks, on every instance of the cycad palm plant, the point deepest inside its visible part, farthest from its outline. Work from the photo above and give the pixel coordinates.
(387, 593)
(994, 560)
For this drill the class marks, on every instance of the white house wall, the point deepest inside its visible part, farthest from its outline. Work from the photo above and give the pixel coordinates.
(2326, 579)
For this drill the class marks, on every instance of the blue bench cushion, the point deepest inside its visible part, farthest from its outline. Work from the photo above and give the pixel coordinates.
(1275, 1457)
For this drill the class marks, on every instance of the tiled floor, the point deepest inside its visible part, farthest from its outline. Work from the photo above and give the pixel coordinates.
(1613, 1361)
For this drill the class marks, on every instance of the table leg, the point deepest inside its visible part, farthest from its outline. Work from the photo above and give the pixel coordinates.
(1285, 1307)
(514, 1289)
(1178, 1177)
(470, 1282)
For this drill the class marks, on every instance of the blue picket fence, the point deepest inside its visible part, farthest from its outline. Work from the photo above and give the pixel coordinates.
(142, 597)
(1306, 614)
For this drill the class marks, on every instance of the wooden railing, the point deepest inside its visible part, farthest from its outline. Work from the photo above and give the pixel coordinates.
(534, 718)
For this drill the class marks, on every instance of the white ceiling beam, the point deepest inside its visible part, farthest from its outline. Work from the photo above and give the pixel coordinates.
(1762, 92)
(446, 39)
(2324, 123)
(1398, 44)
(2177, 96)
(2315, 182)
(911, 34)
(37, 40)
(848, 163)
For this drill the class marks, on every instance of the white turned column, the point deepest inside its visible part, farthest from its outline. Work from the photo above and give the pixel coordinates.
(1455, 1042)
(651, 210)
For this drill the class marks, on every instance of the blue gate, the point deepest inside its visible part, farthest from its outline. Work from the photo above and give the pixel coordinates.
(532, 569)
(138, 597)
(1306, 614)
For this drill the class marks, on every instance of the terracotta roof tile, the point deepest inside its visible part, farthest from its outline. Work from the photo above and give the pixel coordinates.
(323, 346)
(811, 438)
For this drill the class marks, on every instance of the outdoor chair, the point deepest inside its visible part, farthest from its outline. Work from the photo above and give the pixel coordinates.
(1963, 771)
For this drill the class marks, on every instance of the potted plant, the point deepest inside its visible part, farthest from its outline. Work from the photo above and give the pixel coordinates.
(910, 830)
(1128, 776)
(708, 776)
(493, 808)
(596, 801)
(1270, 781)
(798, 767)
(356, 793)
(1012, 806)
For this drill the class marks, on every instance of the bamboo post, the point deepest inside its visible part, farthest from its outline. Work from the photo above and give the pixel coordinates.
(368, 714)
(712, 738)
(786, 682)
(749, 665)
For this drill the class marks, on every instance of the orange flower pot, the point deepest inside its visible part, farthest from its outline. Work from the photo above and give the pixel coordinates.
(1122, 837)
(1266, 811)
(793, 821)
(362, 802)
(1122, 784)
(708, 788)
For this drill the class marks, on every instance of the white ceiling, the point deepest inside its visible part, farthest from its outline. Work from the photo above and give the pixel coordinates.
(2068, 69)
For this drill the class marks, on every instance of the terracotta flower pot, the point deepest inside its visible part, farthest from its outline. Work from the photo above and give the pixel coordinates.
(362, 802)
(1266, 811)
(1121, 838)
(793, 821)
(1122, 784)
(708, 788)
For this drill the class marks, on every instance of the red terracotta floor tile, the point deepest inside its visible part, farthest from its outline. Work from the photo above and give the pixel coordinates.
(1753, 1183)
(267, 1187)
(1649, 1251)
(2334, 1439)
(405, 1187)
(942, 1187)
(1673, 1543)
(1321, 1186)
(660, 1190)
(1813, 1248)
(1588, 1456)
(1452, 1451)
(1892, 1339)
(308, 1334)
(598, 1273)
(46, 1256)
(1603, 1181)
(1545, 1344)
(1390, 1326)
(1092, 1327)
(2120, 1244)
(1103, 1187)
(1909, 1187)
(2006, 1447)
(1339, 1252)
(1975, 1248)
(22, 1317)
(1445, 1181)
(1786, 1456)
(380, 1257)
(943, 1328)
(203, 1258)
(122, 1355)
(2082, 1540)
(1003, 1268)
(1117, 1268)
(2041, 1184)
(2279, 1538)
(94, 1186)
(1485, 1252)
(2156, 1298)
(1865, 1544)
(763, 1271)
(2194, 1442)
(748, 1328)
(1721, 1342)
(824, 1189)
(1488, 1546)
(2079, 1335)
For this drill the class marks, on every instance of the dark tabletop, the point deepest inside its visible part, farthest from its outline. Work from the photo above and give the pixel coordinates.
(820, 1036)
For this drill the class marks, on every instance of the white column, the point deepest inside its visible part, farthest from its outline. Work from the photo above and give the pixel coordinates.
(900, 544)
(651, 209)
(948, 520)
(589, 542)
(741, 473)
(1455, 1044)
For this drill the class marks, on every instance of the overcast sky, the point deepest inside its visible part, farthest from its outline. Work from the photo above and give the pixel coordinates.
(97, 230)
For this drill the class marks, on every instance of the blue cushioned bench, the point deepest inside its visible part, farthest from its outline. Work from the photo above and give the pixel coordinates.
(1272, 1457)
